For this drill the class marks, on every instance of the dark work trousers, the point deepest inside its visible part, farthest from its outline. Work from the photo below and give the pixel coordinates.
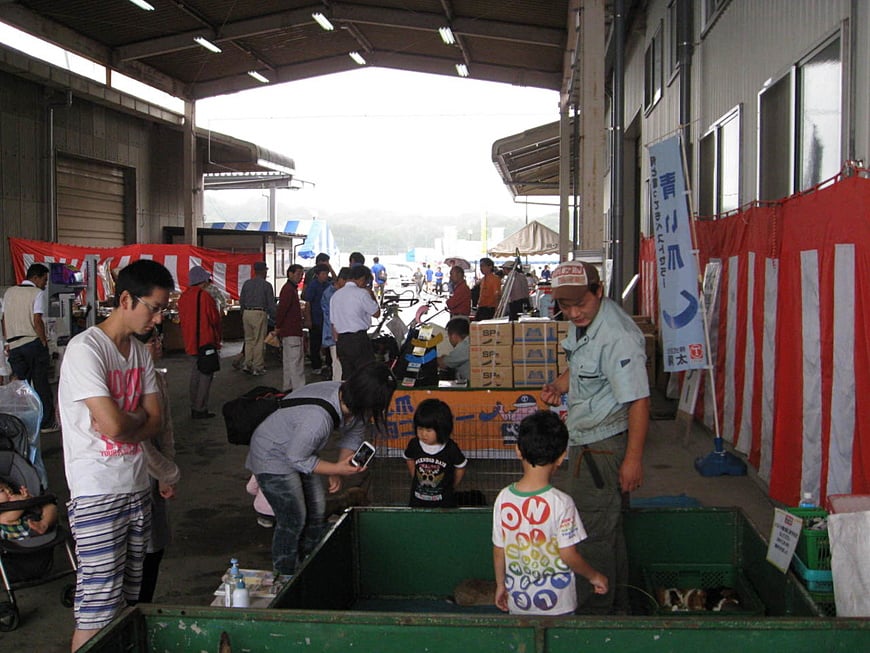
(354, 350)
(315, 342)
(601, 512)
(30, 363)
(485, 313)
(199, 387)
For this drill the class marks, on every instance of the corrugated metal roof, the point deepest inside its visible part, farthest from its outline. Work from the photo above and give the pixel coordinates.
(514, 41)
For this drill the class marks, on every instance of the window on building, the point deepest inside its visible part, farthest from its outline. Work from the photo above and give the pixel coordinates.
(673, 40)
(800, 125)
(712, 9)
(819, 91)
(653, 70)
(719, 177)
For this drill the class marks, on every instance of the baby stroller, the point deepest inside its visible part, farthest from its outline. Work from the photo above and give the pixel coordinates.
(28, 561)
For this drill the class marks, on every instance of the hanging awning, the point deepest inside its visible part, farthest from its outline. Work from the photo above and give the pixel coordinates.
(317, 234)
(528, 162)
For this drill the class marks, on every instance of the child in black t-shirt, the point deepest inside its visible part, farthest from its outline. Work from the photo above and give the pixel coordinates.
(435, 462)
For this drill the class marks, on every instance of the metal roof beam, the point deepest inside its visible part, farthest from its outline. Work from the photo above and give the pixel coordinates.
(229, 31)
(461, 26)
(283, 74)
(480, 71)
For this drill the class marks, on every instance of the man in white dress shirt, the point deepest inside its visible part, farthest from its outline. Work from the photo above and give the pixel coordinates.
(351, 310)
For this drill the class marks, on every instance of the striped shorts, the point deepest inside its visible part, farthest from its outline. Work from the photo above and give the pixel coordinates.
(111, 535)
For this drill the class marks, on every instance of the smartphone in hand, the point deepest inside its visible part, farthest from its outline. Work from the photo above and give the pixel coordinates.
(363, 455)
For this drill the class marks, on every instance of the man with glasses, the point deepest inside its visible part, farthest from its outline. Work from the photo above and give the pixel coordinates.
(108, 400)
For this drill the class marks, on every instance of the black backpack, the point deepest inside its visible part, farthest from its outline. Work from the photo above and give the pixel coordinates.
(244, 414)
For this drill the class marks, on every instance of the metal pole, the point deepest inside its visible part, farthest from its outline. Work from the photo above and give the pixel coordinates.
(616, 169)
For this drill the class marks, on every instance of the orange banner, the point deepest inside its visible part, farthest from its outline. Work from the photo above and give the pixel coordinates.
(485, 422)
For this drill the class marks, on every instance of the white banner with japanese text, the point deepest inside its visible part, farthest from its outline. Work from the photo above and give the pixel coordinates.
(682, 322)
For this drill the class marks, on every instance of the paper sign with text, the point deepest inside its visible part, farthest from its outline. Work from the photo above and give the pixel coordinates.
(784, 537)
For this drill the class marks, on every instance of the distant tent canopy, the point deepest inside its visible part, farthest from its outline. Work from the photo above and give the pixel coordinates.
(533, 239)
(318, 236)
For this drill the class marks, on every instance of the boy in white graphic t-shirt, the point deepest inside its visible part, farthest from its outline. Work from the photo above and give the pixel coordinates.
(535, 529)
(108, 399)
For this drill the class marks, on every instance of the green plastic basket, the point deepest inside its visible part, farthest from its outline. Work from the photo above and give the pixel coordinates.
(813, 547)
(707, 577)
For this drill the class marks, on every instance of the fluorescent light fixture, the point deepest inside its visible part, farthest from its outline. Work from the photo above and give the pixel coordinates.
(143, 5)
(447, 35)
(462, 70)
(258, 76)
(356, 56)
(323, 21)
(275, 166)
(208, 45)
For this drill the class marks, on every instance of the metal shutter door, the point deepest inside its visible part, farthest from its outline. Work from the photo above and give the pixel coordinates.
(90, 203)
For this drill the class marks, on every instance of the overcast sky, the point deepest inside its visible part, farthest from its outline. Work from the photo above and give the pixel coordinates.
(387, 139)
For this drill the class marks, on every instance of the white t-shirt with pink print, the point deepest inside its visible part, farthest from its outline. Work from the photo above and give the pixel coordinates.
(93, 367)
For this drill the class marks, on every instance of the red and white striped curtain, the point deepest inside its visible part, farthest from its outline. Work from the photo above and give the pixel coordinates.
(791, 338)
(228, 271)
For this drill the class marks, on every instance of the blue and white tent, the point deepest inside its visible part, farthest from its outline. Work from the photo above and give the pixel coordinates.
(318, 236)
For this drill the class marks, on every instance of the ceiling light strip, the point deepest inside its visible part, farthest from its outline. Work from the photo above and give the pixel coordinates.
(208, 45)
(260, 78)
(356, 56)
(147, 6)
(447, 35)
(323, 21)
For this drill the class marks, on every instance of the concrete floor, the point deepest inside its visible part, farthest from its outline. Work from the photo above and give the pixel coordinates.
(213, 520)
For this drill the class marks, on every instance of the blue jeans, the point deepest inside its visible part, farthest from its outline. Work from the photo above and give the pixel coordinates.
(299, 502)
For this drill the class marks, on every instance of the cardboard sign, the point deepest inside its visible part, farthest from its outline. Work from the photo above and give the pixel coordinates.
(784, 537)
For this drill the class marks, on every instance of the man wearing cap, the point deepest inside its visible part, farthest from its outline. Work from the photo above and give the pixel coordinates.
(200, 325)
(608, 416)
(257, 300)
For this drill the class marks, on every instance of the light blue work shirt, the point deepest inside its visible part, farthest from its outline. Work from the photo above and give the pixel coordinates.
(607, 373)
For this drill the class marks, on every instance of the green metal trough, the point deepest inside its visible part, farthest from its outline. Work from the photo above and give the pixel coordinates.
(382, 578)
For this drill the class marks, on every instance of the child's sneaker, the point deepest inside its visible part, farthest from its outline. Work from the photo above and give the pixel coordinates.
(265, 522)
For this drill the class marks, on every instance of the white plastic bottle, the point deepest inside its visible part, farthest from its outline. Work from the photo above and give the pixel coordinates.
(230, 580)
(807, 501)
(241, 597)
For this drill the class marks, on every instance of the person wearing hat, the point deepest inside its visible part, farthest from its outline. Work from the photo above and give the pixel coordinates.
(608, 417)
(200, 325)
(257, 300)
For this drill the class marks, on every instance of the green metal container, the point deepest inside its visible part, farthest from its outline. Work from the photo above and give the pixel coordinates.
(382, 578)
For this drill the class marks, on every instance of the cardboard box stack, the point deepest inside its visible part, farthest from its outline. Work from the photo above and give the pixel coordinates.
(491, 365)
(521, 354)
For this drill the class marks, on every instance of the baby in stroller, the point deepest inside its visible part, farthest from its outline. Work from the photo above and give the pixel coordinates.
(18, 523)
(29, 532)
